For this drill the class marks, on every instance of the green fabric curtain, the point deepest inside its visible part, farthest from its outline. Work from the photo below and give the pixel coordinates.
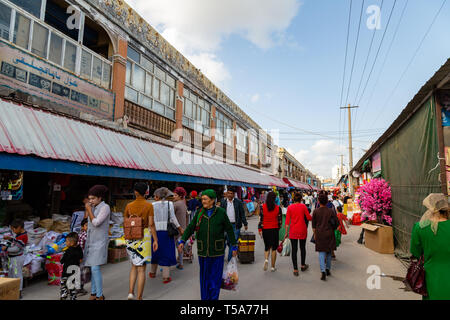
(406, 161)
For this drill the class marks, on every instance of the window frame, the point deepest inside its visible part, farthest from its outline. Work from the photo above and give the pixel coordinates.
(156, 100)
(197, 112)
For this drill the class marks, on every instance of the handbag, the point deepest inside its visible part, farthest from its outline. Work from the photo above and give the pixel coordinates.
(133, 228)
(172, 230)
(415, 277)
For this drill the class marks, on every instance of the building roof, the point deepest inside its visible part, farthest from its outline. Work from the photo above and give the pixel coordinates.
(440, 79)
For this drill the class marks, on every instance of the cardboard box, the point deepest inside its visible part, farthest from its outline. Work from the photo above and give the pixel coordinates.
(379, 238)
(9, 288)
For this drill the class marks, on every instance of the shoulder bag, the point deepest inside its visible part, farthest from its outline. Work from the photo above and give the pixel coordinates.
(334, 221)
(171, 228)
(415, 278)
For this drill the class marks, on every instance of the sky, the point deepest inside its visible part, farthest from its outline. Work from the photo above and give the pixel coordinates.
(282, 62)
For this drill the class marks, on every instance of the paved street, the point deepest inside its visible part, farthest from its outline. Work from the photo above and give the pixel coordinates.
(348, 280)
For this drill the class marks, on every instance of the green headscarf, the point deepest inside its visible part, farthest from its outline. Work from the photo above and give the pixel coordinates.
(210, 193)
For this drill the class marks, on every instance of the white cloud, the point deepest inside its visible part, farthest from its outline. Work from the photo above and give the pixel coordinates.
(321, 158)
(198, 27)
(255, 98)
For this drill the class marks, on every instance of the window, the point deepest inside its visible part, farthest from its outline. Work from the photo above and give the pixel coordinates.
(31, 6)
(52, 42)
(40, 40)
(131, 94)
(21, 31)
(55, 54)
(241, 143)
(196, 110)
(70, 56)
(86, 64)
(5, 21)
(254, 147)
(154, 90)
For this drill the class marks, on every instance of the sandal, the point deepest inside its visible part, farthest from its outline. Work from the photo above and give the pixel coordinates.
(93, 297)
(305, 267)
(296, 273)
(101, 298)
(167, 280)
(152, 275)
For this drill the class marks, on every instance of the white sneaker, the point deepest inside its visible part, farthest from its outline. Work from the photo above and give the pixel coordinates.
(266, 265)
(273, 269)
(131, 296)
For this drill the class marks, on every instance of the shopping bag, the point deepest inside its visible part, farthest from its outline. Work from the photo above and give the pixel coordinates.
(280, 247)
(230, 277)
(286, 248)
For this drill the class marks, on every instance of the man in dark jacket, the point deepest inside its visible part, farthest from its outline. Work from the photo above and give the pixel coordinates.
(236, 214)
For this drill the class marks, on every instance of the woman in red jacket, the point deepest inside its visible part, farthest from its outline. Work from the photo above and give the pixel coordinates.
(297, 230)
(268, 227)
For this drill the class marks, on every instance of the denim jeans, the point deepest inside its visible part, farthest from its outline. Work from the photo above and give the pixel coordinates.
(237, 232)
(322, 257)
(96, 281)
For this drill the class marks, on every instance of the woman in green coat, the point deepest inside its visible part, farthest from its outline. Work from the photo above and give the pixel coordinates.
(210, 224)
(431, 238)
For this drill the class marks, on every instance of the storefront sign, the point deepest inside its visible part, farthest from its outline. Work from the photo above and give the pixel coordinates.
(376, 162)
(24, 72)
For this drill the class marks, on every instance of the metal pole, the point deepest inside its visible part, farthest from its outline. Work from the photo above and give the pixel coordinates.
(350, 149)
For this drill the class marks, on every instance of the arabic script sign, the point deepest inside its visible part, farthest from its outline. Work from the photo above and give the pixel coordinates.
(21, 71)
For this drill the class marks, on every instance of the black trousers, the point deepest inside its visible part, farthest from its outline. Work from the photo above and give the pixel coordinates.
(294, 244)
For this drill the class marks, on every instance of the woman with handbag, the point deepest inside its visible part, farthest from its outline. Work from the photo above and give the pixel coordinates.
(269, 225)
(164, 216)
(430, 241)
(297, 230)
(138, 223)
(210, 224)
(323, 222)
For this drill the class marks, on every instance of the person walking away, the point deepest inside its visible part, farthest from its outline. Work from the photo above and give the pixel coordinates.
(97, 241)
(85, 271)
(307, 201)
(430, 238)
(236, 214)
(15, 247)
(340, 230)
(180, 207)
(323, 235)
(73, 256)
(139, 250)
(164, 256)
(270, 221)
(193, 204)
(297, 230)
(210, 224)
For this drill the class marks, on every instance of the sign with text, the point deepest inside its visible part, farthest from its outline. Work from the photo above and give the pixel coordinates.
(24, 72)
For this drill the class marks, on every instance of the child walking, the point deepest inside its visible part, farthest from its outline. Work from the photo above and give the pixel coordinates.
(14, 249)
(72, 257)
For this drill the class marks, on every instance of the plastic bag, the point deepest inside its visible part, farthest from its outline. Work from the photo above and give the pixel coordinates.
(230, 277)
(286, 248)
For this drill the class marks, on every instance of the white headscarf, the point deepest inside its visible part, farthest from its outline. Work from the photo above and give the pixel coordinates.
(434, 202)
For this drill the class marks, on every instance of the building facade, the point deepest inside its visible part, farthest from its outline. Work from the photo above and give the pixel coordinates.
(99, 61)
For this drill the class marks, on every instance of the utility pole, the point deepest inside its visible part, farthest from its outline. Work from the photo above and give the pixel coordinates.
(350, 148)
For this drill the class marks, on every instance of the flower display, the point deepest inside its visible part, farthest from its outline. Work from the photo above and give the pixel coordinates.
(376, 201)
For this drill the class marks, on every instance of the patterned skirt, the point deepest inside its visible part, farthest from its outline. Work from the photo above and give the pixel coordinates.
(140, 251)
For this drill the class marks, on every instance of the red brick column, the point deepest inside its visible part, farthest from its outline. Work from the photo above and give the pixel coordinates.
(179, 108)
(119, 76)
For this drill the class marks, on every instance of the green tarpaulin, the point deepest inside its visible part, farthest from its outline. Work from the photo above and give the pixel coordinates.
(408, 161)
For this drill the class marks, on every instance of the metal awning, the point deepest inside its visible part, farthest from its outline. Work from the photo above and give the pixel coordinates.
(79, 146)
(296, 184)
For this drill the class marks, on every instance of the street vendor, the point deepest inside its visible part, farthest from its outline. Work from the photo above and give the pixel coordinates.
(210, 224)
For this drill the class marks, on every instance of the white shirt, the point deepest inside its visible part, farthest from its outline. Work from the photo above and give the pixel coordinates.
(336, 203)
(307, 199)
(230, 211)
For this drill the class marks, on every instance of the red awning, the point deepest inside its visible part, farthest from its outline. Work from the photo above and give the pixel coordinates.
(296, 184)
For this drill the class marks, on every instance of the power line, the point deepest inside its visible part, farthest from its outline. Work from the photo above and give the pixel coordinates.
(412, 59)
(385, 58)
(378, 51)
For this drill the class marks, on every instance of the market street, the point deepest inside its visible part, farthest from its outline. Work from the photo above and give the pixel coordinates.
(348, 280)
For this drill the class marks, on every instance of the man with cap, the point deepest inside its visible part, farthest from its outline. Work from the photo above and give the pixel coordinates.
(210, 223)
(236, 213)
